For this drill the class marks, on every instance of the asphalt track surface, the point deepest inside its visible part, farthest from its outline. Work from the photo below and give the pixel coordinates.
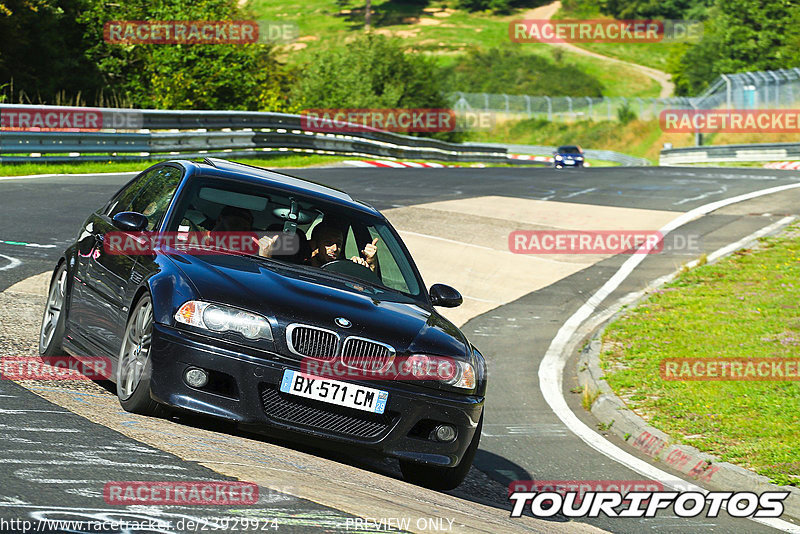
(522, 437)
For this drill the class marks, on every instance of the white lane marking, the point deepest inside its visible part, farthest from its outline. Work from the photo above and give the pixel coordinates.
(89, 175)
(552, 366)
(23, 244)
(18, 412)
(14, 262)
(723, 189)
(581, 192)
(33, 429)
(536, 256)
(482, 300)
(357, 163)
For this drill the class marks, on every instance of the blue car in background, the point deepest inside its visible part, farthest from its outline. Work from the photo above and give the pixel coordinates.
(568, 156)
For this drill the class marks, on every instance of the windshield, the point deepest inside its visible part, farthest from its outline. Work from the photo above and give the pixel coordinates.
(569, 150)
(295, 230)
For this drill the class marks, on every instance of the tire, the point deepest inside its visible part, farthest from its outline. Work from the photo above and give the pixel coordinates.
(51, 332)
(135, 366)
(442, 478)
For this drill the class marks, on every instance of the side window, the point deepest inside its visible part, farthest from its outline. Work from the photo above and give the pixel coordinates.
(391, 275)
(154, 199)
(124, 198)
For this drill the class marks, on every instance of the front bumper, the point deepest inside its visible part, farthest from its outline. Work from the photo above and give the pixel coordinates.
(568, 163)
(247, 392)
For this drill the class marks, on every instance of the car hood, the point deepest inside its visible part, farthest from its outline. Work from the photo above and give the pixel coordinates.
(296, 295)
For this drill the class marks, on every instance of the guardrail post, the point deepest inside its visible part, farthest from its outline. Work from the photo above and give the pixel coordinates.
(589, 99)
(528, 104)
(727, 91)
(549, 108)
(508, 110)
(569, 101)
(698, 137)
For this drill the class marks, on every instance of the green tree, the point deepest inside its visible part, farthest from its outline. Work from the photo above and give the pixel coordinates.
(516, 72)
(40, 51)
(372, 71)
(185, 76)
(653, 9)
(740, 35)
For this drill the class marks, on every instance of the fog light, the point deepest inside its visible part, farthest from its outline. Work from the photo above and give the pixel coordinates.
(196, 378)
(444, 433)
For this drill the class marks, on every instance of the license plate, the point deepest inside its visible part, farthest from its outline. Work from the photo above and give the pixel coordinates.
(569, 162)
(334, 391)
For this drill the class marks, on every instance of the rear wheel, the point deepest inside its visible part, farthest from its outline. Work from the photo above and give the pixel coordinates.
(135, 366)
(52, 331)
(442, 478)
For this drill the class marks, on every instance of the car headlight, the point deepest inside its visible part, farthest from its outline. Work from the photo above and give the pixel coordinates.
(559, 157)
(441, 369)
(220, 319)
(579, 158)
(464, 377)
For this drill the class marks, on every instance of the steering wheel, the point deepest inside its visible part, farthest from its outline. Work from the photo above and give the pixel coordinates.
(351, 268)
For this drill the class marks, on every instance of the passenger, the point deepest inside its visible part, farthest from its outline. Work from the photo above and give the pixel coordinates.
(233, 219)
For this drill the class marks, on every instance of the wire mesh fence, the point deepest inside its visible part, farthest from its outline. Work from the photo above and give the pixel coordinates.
(778, 89)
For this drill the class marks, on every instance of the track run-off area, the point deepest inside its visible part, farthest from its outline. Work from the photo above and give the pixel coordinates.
(61, 442)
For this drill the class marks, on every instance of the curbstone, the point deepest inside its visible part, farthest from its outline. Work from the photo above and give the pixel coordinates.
(616, 417)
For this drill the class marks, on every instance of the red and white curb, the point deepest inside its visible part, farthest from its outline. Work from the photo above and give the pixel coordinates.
(412, 164)
(546, 159)
(394, 164)
(794, 165)
(528, 157)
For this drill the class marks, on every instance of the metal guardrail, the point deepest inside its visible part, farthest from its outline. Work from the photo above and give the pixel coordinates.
(604, 155)
(155, 134)
(730, 153)
(129, 134)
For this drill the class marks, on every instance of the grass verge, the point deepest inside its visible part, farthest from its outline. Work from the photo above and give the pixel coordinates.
(744, 306)
(23, 169)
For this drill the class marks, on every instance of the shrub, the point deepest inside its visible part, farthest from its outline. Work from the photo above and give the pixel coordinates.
(625, 113)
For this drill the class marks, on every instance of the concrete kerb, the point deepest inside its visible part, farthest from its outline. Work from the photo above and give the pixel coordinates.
(614, 416)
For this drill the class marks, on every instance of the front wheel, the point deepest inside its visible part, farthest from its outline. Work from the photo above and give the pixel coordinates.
(52, 331)
(442, 478)
(135, 366)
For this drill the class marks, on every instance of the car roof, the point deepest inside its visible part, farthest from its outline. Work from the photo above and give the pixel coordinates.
(222, 168)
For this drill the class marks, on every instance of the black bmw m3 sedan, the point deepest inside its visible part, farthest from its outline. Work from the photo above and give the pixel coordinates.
(298, 313)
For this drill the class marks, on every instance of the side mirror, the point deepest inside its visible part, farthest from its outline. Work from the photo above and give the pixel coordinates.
(445, 296)
(130, 221)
